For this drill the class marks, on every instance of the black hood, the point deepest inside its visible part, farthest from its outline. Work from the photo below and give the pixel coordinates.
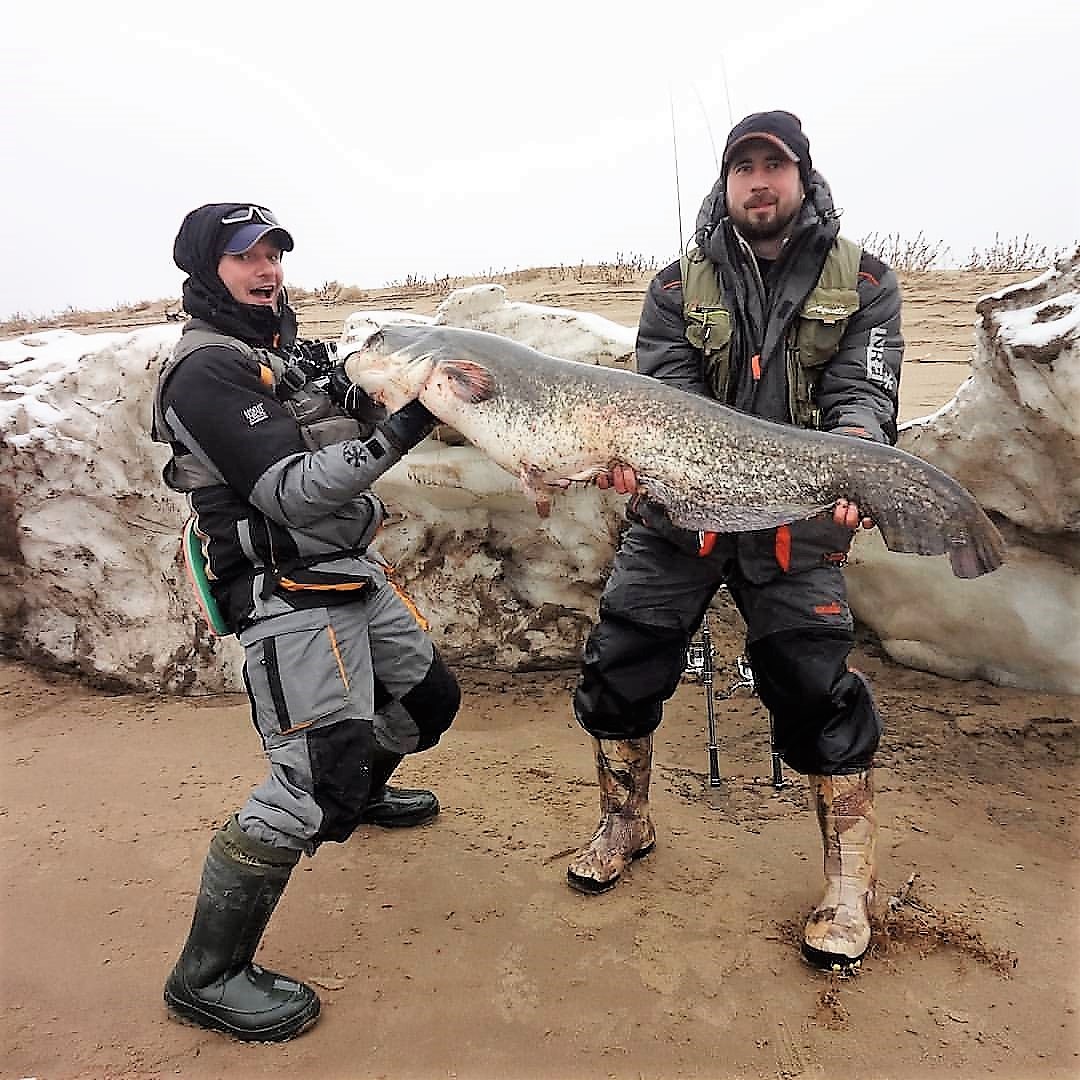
(197, 251)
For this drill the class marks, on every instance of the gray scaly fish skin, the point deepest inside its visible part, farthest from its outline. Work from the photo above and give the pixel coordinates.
(554, 422)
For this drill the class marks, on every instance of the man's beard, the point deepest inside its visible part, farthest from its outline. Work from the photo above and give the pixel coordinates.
(765, 230)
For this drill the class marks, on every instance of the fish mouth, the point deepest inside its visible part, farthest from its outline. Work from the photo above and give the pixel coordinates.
(372, 341)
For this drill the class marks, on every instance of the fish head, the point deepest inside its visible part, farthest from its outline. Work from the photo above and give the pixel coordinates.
(393, 364)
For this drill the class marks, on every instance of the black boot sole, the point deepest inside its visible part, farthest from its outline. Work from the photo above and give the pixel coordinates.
(591, 887)
(193, 1016)
(827, 961)
(401, 821)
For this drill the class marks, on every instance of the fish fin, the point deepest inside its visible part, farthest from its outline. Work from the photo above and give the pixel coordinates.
(583, 476)
(533, 485)
(728, 518)
(470, 381)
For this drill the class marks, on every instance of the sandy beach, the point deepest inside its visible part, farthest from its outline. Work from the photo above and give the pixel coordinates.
(457, 951)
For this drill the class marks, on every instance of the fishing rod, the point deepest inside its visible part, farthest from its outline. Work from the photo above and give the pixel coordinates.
(712, 141)
(700, 662)
(675, 156)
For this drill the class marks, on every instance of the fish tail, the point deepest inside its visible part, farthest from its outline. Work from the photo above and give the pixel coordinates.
(969, 537)
(981, 551)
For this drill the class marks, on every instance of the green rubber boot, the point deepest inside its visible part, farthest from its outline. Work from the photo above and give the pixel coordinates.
(214, 983)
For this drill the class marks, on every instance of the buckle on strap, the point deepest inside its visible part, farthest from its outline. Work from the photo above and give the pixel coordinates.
(293, 378)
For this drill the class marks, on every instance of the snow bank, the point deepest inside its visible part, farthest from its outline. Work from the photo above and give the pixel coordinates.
(91, 577)
(1011, 435)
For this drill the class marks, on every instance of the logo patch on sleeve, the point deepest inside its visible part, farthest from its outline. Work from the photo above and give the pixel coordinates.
(255, 414)
(877, 370)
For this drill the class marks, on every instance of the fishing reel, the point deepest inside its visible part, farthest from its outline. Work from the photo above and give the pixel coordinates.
(700, 657)
(316, 362)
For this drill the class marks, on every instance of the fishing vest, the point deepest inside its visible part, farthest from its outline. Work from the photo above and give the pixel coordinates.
(812, 341)
(321, 423)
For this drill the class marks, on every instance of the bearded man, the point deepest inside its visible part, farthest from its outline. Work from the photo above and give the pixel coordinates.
(772, 313)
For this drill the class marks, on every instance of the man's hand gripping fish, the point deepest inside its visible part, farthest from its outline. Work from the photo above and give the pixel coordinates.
(556, 422)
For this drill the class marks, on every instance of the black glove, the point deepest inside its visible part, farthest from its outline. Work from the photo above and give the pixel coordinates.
(352, 400)
(409, 425)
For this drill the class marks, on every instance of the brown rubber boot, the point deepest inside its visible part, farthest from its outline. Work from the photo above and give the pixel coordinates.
(626, 831)
(837, 933)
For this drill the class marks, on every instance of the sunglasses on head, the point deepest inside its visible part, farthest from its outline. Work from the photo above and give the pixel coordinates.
(249, 213)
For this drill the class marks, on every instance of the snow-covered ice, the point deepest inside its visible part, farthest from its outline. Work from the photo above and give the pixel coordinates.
(91, 577)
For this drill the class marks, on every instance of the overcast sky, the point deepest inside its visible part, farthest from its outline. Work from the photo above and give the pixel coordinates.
(429, 139)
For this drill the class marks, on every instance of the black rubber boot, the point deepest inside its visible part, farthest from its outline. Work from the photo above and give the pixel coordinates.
(214, 984)
(392, 807)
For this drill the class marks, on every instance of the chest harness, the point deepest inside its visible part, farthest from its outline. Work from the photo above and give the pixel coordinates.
(812, 341)
(321, 424)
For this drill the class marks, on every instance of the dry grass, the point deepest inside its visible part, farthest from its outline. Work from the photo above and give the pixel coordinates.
(918, 254)
(622, 270)
(1005, 255)
(1014, 253)
(144, 312)
(910, 921)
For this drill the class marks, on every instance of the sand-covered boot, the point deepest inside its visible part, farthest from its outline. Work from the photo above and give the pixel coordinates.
(214, 983)
(626, 831)
(837, 933)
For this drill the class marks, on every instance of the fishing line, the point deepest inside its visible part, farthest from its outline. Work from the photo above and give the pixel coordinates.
(727, 93)
(675, 155)
(708, 126)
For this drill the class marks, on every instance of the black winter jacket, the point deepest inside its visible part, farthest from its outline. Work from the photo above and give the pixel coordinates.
(856, 390)
(264, 495)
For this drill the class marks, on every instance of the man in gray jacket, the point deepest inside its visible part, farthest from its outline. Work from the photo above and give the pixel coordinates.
(774, 314)
(277, 454)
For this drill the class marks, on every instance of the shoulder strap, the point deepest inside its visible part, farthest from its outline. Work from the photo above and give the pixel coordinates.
(841, 270)
(196, 335)
(700, 285)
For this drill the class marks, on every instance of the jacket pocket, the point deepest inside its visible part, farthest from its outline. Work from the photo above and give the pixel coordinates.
(709, 329)
(822, 322)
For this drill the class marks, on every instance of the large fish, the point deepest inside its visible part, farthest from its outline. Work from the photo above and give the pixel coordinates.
(555, 422)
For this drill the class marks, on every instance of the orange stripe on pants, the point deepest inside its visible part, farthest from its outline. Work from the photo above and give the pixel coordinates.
(783, 547)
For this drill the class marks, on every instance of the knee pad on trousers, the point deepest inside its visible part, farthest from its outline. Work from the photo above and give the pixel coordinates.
(340, 756)
(825, 718)
(433, 703)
